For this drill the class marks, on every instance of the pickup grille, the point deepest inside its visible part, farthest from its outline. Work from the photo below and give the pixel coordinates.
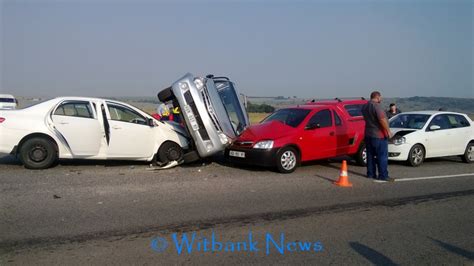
(190, 101)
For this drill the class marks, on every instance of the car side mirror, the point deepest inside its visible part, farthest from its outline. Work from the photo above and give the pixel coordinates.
(150, 122)
(312, 126)
(434, 127)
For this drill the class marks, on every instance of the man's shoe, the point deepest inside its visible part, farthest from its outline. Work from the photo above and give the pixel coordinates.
(383, 180)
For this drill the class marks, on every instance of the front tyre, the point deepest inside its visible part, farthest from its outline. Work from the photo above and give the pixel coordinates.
(38, 153)
(170, 151)
(468, 156)
(287, 160)
(416, 155)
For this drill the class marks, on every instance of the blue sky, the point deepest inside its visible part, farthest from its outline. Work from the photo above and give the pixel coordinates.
(291, 48)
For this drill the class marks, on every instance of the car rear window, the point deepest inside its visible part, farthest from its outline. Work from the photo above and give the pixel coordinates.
(7, 100)
(354, 109)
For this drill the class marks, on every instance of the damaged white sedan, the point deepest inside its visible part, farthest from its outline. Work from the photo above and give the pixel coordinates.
(88, 128)
(428, 134)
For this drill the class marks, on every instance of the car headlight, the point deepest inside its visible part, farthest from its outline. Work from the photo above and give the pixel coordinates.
(399, 141)
(266, 144)
(199, 83)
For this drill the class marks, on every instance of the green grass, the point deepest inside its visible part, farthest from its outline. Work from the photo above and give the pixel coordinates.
(255, 118)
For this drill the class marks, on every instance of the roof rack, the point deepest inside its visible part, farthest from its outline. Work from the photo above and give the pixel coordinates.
(339, 99)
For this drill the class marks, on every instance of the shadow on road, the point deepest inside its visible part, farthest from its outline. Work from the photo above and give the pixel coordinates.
(327, 179)
(9, 160)
(222, 161)
(371, 255)
(328, 165)
(454, 249)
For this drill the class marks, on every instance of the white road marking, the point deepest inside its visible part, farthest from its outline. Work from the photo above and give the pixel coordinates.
(425, 177)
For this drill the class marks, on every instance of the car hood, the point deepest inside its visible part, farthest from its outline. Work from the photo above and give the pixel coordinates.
(269, 130)
(400, 132)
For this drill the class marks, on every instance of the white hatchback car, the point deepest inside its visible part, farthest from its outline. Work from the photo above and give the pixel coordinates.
(87, 128)
(8, 101)
(428, 134)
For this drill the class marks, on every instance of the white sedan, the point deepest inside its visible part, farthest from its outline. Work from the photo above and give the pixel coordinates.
(87, 128)
(428, 134)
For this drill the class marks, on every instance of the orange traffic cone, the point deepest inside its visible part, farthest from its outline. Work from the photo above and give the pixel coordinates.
(343, 177)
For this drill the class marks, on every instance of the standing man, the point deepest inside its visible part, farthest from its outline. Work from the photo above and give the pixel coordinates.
(393, 111)
(377, 133)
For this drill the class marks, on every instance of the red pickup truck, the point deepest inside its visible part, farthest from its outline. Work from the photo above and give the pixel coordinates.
(289, 136)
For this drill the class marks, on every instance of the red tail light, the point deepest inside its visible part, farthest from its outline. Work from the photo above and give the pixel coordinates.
(2, 119)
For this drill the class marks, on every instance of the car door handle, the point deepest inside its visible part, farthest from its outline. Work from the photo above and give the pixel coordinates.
(63, 123)
(331, 133)
(116, 127)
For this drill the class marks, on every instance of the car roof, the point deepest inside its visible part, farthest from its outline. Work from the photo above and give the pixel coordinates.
(325, 103)
(7, 96)
(77, 98)
(338, 101)
(429, 112)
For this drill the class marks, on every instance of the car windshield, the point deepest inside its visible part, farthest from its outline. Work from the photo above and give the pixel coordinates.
(232, 105)
(410, 121)
(292, 116)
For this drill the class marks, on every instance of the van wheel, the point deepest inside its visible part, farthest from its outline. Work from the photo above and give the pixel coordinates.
(361, 155)
(170, 151)
(38, 153)
(468, 156)
(166, 95)
(287, 160)
(416, 155)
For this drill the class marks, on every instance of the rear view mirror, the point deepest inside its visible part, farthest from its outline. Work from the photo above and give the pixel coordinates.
(434, 127)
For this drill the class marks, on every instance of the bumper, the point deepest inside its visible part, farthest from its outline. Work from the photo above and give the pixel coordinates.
(265, 158)
(398, 152)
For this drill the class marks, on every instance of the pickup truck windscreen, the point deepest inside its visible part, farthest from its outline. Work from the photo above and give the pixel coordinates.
(232, 105)
(291, 117)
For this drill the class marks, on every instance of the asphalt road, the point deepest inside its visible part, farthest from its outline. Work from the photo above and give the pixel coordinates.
(110, 212)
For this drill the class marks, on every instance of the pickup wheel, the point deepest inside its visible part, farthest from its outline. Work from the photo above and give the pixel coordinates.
(361, 155)
(416, 156)
(168, 152)
(38, 153)
(468, 156)
(166, 95)
(287, 160)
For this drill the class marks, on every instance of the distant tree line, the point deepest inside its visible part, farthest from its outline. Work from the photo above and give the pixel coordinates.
(259, 108)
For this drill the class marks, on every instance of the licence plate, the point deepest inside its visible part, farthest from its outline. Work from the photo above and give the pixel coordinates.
(192, 119)
(239, 154)
(193, 122)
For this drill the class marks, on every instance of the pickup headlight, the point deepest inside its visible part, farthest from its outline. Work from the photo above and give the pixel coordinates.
(199, 83)
(223, 138)
(399, 141)
(266, 144)
(183, 86)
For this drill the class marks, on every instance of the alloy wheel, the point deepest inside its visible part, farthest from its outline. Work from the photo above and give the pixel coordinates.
(288, 160)
(417, 155)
